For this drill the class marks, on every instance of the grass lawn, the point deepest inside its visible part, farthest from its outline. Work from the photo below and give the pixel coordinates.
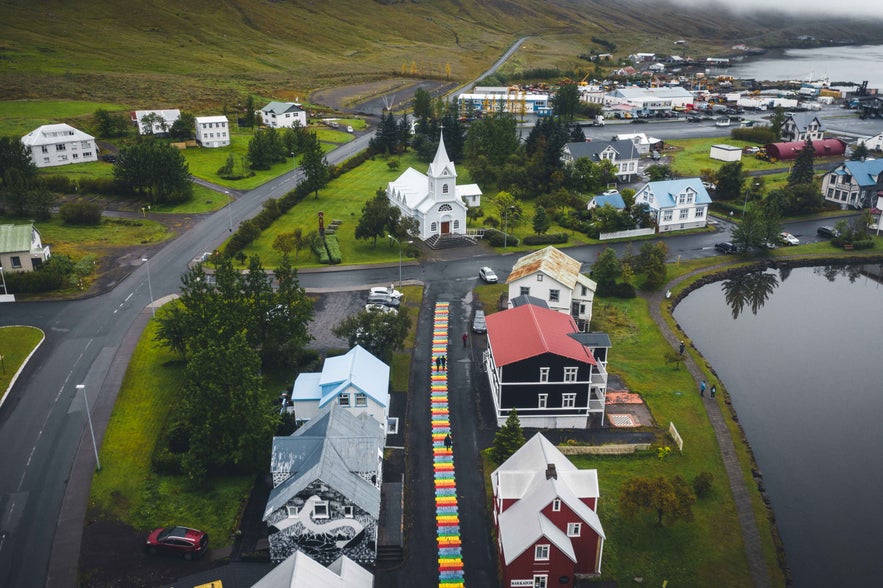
(16, 343)
(694, 156)
(400, 370)
(20, 117)
(126, 488)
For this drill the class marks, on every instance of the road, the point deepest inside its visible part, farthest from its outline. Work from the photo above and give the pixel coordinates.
(43, 421)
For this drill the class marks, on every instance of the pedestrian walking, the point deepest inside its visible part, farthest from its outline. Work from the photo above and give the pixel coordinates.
(713, 390)
(444, 362)
(702, 388)
(465, 337)
(448, 441)
(682, 348)
(437, 362)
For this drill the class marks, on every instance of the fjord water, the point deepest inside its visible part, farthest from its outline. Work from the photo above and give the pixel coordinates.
(805, 374)
(853, 63)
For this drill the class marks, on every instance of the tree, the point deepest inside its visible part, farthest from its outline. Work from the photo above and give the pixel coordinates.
(249, 118)
(758, 226)
(777, 120)
(184, 128)
(109, 125)
(668, 499)
(802, 171)
(422, 104)
(494, 137)
(152, 123)
(565, 101)
(380, 333)
(266, 149)
(154, 170)
(386, 137)
(729, 180)
(315, 167)
(651, 262)
(658, 172)
(859, 152)
(379, 217)
(508, 439)
(228, 422)
(607, 269)
(541, 221)
(14, 155)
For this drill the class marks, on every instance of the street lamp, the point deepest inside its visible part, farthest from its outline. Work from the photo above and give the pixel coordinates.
(506, 227)
(149, 286)
(229, 212)
(400, 256)
(91, 430)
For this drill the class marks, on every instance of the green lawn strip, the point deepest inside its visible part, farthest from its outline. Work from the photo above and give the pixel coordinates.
(400, 370)
(20, 117)
(695, 156)
(204, 200)
(126, 489)
(16, 343)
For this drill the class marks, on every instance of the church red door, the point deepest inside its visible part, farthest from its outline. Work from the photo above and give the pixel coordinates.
(445, 227)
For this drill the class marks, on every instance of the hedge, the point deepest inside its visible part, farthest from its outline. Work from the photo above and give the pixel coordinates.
(550, 239)
(80, 213)
(497, 239)
(333, 248)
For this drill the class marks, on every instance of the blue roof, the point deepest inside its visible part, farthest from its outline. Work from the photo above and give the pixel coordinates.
(865, 172)
(614, 200)
(665, 192)
(357, 368)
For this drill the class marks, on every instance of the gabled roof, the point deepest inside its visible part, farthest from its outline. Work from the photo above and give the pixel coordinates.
(527, 331)
(332, 448)
(16, 238)
(550, 261)
(281, 107)
(299, 569)
(53, 134)
(665, 192)
(865, 173)
(614, 200)
(412, 186)
(523, 478)
(802, 120)
(211, 119)
(593, 149)
(357, 368)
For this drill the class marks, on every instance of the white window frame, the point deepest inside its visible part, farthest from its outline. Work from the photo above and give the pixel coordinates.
(544, 375)
(571, 373)
(541, 552)
(574, 529)
(525, 291)
(344, 399)
(392, 426)
(361, 399)
(568, 400)
(556, 505)
(542, 400)
(348, 512)
(321, 506)
(540, 581)
(685, 214)
(539, 277)
(293, 511)
(554, 295)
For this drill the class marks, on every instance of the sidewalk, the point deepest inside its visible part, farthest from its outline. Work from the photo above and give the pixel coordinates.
(741, 493)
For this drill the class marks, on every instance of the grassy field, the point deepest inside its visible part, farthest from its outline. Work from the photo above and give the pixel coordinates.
(20, 117)
(126, 489)
(16, 343)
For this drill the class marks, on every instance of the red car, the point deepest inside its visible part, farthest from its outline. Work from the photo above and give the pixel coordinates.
(188, 543)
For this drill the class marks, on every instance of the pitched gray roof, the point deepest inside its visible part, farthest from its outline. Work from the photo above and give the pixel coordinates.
(592, 339)
(526, 299)
(332, 448)
(803, 119)
(592, 149)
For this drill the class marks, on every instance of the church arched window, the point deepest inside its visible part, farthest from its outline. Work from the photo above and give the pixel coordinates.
(456, 224)
(432, 227)
(444, 188)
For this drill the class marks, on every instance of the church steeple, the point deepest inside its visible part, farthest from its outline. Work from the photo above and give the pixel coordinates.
(442, 166)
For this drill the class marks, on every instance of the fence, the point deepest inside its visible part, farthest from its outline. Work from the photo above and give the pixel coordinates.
(626, 234)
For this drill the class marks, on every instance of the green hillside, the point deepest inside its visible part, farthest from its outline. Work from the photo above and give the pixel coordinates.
(204, 53)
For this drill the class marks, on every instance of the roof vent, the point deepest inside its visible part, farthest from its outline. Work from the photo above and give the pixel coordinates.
(551, 473)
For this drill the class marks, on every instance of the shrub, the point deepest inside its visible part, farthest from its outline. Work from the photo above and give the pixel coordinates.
(761, 135)
(80, 213)
(333, 248)
(497, 239)
(616, 290)
(702, 484)
(549, 239)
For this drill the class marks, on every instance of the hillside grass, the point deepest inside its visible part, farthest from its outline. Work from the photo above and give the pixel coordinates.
(16, 343)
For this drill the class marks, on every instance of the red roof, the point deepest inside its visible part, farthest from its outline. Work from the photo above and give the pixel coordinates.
(527, 331)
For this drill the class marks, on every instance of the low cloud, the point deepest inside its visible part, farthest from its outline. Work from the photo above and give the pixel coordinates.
(808, 8)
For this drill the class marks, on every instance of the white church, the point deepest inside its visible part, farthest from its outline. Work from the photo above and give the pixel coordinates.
(434, 198)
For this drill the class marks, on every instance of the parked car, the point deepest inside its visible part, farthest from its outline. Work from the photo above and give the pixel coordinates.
(788, 239)
(488, 275)
(610, 192)
(479, 325)
(384, 300)
(828, 231)
(391, 292)
(380, 308)
(723, 121)
(694, 118)
(188, 543)
(725, 247)
(349, 129)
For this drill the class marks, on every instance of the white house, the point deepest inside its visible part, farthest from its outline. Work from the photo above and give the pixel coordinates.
(800, 126)
(60, 144)
(279, 115)
(434, 198)
(550, 275)
(21, 248)
(299, 569)
(213, 131)
(677, 204)
(622, 154)
(643, 143)
(874, 143)
(157, 122)
(357, 381)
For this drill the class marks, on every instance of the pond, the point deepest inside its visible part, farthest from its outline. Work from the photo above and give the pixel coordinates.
(799, 351)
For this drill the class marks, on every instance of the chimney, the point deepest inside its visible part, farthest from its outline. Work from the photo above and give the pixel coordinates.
(551, 474)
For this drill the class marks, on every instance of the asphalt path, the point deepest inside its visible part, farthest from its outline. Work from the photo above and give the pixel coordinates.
(43, 420)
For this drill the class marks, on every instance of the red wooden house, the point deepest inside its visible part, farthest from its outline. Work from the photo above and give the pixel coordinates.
(545, 513)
